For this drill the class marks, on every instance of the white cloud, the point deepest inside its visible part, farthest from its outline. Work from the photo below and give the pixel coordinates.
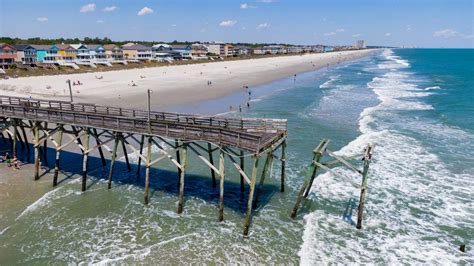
(408, 28)
(88, 8)
(246, 6)
(109, 8)
(100, 21)
(144, 11)
(388, 34)
(447, 33)
(356, 35)
(228, 23)
(340, 30)
(329, 33)
(173, 25)
(263, 25)
(267, 1)
(42, 19)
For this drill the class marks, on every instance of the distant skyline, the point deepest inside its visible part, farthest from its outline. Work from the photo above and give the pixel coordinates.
(421, 23)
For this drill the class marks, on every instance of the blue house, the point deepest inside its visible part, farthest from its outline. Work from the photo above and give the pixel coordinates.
(46, 53)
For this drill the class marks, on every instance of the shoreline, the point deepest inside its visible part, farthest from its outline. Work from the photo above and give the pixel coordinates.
(173, 85)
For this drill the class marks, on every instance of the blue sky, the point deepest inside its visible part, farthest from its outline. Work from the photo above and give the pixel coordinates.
(422, 23)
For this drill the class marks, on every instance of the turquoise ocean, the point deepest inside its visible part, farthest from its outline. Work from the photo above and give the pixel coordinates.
(416, 106)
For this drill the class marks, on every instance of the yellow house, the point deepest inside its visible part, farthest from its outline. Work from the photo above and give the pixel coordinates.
(67, 52)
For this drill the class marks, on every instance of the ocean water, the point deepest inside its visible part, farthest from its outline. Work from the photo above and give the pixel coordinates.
(415, 106)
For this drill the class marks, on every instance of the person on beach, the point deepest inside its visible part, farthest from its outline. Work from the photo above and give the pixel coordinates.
(240, 108)
(248, 104)
(15, 163)
(6, 158)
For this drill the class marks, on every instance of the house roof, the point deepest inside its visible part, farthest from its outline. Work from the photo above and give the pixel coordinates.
(94, 46)
(65, 46)
(77, 46)
(22, 47)
(8, 46)
(112, 47)
(136, 47)
(181, 46)
(41, 46)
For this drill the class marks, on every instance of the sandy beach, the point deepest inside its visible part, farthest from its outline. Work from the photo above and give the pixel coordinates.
(172, 85)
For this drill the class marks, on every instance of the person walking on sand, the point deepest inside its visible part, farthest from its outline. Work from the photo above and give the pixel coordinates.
(6, 157)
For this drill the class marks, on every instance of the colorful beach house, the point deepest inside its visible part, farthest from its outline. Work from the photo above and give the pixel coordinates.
(7, 55)
(47, 53)
(82, 52)
(67, 53)
(25, 54)
(113, 52)
(137, 52)
(97, 52)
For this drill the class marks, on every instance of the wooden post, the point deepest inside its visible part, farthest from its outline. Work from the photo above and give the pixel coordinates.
(56, 163)
(221, 184)
(298, 200)
(142, 140)
(283, 166)
(14, 137)
(125, 153)
(112, 162)
(84, 162)
(318, 153)
(36, 146)
(26, 143)
(181, 178)
(45, 147)
(101, 153)
(250, 199)
(178, 157)
(363, 189)
(268, 162)
(147, 172)
(242, 181)
(211, 160)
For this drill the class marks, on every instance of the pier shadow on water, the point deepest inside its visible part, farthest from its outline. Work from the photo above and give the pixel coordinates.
(161, 179)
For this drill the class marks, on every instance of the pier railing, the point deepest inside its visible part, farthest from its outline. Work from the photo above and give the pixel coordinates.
(249, 134)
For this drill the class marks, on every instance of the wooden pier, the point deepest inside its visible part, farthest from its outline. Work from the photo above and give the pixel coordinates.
(94, 127)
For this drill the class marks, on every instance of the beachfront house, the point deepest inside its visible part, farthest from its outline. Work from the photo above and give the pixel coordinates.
(82, 52)
(199, 51)
(221, 49)
(184, 50)
(66, 52)
(113, 52)
(7, 55)
(25, 54)
(164, 52)
(296, 49)
(47, 53)
(97, 52)
(137, 52)
(240, 50)
(328, 49)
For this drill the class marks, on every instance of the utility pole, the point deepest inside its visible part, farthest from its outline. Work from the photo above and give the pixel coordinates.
(70, 89)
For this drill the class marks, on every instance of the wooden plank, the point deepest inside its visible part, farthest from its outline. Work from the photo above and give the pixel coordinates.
(181, 178)
(250, 198)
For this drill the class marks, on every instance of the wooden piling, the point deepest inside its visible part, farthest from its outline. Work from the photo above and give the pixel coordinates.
(26, 143)
(283, 166)
(124, 149)
(147, 172)
(112, 162)
(142, 140)
(250, 199)
(84, 161)
(45, 147)
(14, 138)
(56, 163)
(317, 155)
(36, 146)
(101, 152)
(266, 167)
(363, 189)
(211, 160)
(242, 181)
(298, 200)
(221, 184)
(181, 177)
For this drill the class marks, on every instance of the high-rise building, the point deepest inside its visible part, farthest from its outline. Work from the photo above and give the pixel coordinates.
(360, 44)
